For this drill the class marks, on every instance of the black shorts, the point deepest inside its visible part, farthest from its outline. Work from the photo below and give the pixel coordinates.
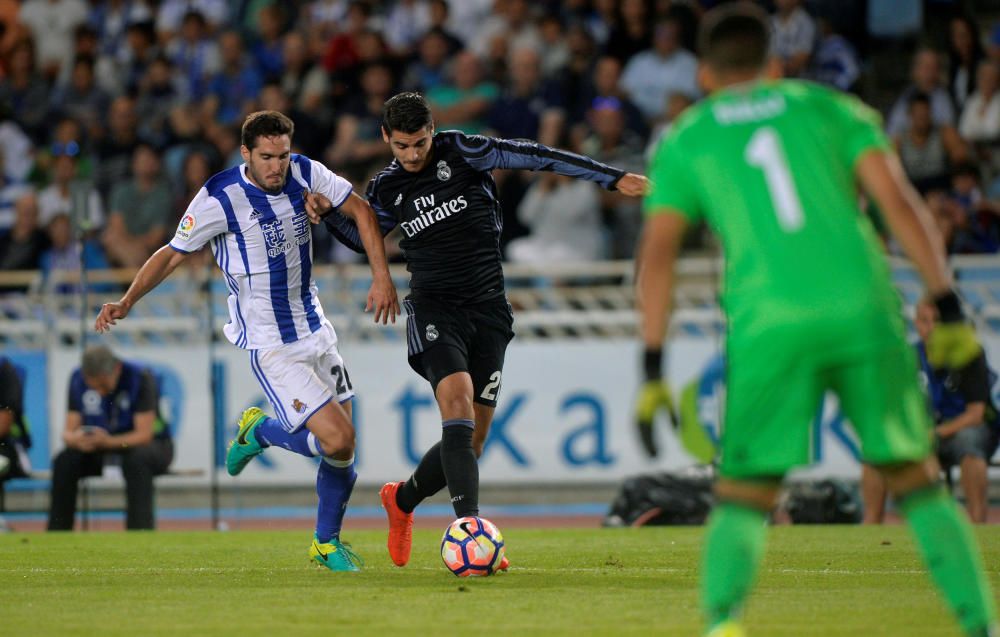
(443, 339)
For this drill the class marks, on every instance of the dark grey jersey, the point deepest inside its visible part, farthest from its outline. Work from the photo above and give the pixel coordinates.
(449, 215)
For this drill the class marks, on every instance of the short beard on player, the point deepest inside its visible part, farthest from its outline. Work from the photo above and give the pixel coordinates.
(259, 180)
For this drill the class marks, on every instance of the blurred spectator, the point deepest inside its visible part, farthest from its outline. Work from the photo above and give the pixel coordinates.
(405, 24)
(466, 16)
(68, 194)
(11, 31)
(267, 49)
(87, 44)
(110, 19)
(428, 70)
(555, 50)
(606, 82)
(15, 438)
(440, 19)
(836, 62)
(927, 79)
(564, 217)
(171, 14)
(632, 31)
(140, 209)
(463, 102)
(159, 91)
(232, 92)
(527, 107)
(975, 230)
(16, 151)
(926, 148)
(194, 54)
(195, 171)
(511, 27)
(114, 150)
(51, 23)
(22, 247)
(81, 98)
(980, 121)
(11, 189)
(226, 141)
(341, 50)
(140, 52)
(965, 52)
(310, 136)
(24, 91)
(358, 149)
(575, 81)
(304, 81)
(66, 256)
(113, 410)
(794, 36)
(323, 18)
(613, 144)
(666, 68)
(67, 137)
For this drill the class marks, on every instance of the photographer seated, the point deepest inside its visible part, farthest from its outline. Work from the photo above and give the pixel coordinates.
(113, 412)
(966, 431)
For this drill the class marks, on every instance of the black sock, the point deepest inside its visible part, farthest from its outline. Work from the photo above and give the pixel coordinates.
(461, 469)
(427, 479)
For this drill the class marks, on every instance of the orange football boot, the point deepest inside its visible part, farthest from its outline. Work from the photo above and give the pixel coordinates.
(400, 525)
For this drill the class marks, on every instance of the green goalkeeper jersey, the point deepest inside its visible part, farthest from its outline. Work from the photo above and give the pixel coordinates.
(770, 167)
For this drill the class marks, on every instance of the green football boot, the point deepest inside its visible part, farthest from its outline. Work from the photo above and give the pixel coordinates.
(335, 555)
(245, 446)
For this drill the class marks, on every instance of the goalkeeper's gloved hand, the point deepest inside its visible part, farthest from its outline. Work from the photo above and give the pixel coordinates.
(953, 343)
(654, 395)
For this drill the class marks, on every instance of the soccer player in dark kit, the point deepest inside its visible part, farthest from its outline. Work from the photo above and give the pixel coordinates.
(440, 191)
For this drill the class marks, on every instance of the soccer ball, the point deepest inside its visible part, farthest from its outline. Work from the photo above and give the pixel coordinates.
(472, 546)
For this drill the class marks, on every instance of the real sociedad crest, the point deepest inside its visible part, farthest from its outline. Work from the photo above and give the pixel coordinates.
(444, 171)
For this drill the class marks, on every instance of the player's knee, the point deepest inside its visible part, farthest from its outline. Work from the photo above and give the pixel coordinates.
(337, 440)
(455, 405)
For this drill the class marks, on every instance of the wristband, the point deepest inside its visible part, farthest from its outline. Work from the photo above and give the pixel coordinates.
(949, 308)
(652, 363)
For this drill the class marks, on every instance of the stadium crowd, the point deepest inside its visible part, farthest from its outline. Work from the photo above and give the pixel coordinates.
(113, 113)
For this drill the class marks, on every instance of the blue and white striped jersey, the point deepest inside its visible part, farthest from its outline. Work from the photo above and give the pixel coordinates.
(263, 244)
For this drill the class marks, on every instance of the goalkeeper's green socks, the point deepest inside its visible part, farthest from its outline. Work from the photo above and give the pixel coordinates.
(734, 545)
(949, 550)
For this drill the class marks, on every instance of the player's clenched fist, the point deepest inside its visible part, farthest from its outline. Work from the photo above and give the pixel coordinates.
(633, 185)
(317, 206)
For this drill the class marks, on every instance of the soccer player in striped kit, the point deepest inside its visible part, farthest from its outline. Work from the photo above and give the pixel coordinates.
(254, 217)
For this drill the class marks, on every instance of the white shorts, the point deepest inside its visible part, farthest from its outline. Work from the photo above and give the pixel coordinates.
(301, 377)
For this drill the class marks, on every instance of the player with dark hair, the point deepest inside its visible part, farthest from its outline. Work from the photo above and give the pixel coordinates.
(440, 191)
(772, 166)
(254, 216)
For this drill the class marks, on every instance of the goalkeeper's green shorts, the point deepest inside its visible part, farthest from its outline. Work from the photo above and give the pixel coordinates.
(776, 382)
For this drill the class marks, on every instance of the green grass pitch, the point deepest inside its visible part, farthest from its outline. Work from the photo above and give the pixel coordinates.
(850, 581)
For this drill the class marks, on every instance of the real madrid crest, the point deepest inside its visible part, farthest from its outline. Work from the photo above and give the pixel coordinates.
(444, 171)
(431, 334)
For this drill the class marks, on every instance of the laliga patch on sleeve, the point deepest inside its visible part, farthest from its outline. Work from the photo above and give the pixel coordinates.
(185, 227)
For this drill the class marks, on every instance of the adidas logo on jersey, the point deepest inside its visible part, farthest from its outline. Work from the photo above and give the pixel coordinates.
(255, 215)
(399, 199)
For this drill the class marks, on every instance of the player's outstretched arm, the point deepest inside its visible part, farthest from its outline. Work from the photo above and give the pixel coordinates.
(382, 295)
(153, 271)
(486, 153)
